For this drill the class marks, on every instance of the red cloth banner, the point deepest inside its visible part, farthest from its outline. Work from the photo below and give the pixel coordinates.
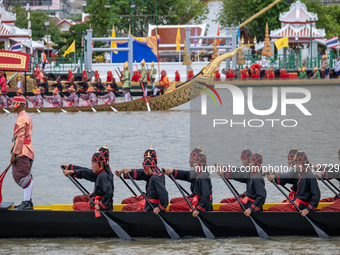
(14, 61)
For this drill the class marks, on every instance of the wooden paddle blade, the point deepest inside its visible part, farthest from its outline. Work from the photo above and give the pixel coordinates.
(262, 234)
(118, 229)
(64, 111)
(94, 110)
(172, 233)
(147, 104)
(6, 111)
(206, 230)
(38, 110)
(320, 232)
(113, 109)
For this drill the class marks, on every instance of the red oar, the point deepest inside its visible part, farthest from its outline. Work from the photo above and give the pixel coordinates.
(2, 176)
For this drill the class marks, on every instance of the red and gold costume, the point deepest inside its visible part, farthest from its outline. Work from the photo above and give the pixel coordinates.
(177, 76)
(70, 74)
(109, 76)
(135, 76)
(190, 74)
(217, 76)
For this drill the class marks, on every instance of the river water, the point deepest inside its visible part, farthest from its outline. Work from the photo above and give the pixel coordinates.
(60, 138)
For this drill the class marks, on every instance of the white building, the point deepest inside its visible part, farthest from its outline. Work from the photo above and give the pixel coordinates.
(10, 34)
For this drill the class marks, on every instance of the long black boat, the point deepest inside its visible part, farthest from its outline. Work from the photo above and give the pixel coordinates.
(66, 223)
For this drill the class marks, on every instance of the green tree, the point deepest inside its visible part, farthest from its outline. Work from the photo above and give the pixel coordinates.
(328, 16)
(234, 12)
(38, 18)
(168, 12)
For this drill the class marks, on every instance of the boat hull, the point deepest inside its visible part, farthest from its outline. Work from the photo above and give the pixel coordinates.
(49, 224)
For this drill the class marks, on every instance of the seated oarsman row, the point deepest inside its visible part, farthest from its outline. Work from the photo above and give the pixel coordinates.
(90, 98)
(36, 100)
(100, 173)
(73, 99)
(156, 192)
(306, 193)
(132, 203)
(201, 197)
(328, 175)
(245, 158)
(255, 195)
(55, 100)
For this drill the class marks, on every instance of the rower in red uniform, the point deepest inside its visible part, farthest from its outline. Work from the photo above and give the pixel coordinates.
(55, 100)
(307, 195)
(245, 158)
(37, 100)
(135, 76)
(255, 190)
(84, 75)
(190, 74)
(227, 75)
(328, 175)
(156, 191)
(22, 152)
(132, 203)
(252, 74)
(109, 76)
(256, 66)
(201, 198)
(257, 74)
(73, 99)
(96, 74)
(231, 75)
(271, 74)
(177, 76)
(245, 75)
(103, 188)
(217, 75)
(90, 99)
(70, 74)
(3, 82)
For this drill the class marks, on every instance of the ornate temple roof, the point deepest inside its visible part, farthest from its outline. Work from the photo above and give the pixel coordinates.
(302, 31)
(297, 14)
(7, 17)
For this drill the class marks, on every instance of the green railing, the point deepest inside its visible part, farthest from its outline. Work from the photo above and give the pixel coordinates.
(61, 64)
(289, 61)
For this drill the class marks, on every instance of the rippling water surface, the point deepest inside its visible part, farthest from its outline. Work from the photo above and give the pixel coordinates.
(60, 138)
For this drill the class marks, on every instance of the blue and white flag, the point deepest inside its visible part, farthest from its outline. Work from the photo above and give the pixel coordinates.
(16, 47)
(332, 42)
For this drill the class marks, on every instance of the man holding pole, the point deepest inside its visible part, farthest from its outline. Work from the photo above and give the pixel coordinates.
(144, 78)
(22, 152)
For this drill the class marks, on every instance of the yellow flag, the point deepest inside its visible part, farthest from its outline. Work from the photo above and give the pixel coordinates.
(283, 42)
(113, 43)
(178, 40)
(72, 48)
